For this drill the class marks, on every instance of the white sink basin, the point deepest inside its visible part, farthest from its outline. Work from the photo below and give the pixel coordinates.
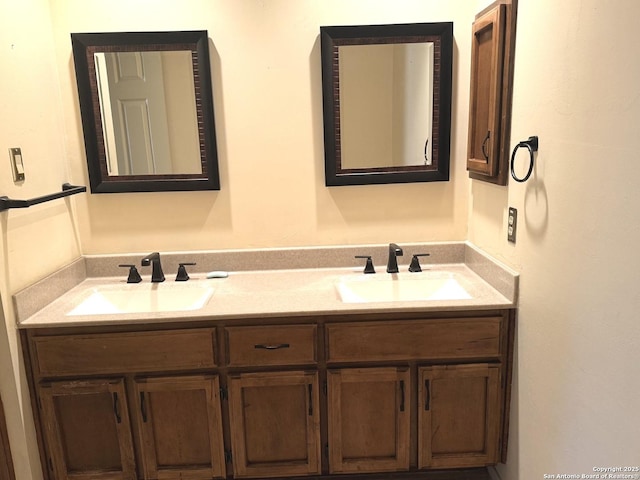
(401, 287)
(142, 298)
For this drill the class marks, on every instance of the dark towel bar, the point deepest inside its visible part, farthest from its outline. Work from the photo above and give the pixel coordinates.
(67, 189)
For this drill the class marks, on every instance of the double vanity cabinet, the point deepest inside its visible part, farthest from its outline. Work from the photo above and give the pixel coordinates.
(273, 397)
(293, 370)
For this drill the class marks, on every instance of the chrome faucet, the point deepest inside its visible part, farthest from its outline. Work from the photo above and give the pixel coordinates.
(392, 263)
(154, 259)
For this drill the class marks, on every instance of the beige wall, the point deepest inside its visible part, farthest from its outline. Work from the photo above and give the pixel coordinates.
(268, 107)
(576, 87)
(576, 390)
(35, 241)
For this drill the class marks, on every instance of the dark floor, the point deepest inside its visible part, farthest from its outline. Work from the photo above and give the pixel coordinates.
(467, 474)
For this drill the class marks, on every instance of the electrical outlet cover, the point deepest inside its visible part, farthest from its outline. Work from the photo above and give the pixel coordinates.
(512, 223)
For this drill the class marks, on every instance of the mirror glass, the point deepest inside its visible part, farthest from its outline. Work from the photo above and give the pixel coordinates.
(387, 103)
(147, 111)
(148, 107)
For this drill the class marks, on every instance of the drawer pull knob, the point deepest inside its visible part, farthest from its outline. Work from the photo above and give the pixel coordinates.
(116, 408)
(427, 395)
(277, 346)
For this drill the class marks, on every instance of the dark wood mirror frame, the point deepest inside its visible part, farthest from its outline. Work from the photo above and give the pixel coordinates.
(85, 45)
(441, 34)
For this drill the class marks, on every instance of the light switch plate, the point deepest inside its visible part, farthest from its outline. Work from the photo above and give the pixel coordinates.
(16, 164)
(512, 223)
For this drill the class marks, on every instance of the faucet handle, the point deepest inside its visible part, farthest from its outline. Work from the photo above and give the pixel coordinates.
(369, 266)
(134, 276)
(183, 276)
(415, 263)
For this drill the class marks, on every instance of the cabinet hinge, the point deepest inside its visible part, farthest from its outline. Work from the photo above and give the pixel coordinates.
(224, 393)
(326, 450)
(227, 456)
(324, 387)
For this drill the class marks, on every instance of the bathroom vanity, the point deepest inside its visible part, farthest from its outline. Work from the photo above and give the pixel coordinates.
(312, 386)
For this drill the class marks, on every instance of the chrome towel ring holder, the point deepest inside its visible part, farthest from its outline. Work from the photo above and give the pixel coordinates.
(531, 144)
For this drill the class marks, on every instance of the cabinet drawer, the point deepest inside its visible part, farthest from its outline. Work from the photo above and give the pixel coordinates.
(272, 345)
(124, 352)
(414, 339)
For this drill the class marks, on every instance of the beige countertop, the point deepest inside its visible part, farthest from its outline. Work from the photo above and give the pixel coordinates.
(274, 292)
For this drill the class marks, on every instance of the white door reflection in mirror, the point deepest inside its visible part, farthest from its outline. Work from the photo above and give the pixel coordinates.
(386, 104)
(147, 104)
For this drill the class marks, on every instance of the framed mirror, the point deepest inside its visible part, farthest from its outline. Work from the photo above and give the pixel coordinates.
(147, 111)
(387, 102)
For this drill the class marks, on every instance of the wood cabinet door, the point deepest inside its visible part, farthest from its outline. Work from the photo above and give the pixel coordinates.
(180, 423)
(486, 92)
(87, 430)
(369, 415)
(458, 415)
(275, 424)
(6, 462)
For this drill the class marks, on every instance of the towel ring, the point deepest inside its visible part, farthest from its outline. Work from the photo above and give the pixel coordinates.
(532, 145)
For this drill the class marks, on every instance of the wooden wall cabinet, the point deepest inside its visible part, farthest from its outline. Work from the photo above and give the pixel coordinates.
(276, 398)
(492, 55)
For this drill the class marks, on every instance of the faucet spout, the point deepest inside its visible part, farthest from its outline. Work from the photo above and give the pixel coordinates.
(394, 252)
(153, 259)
